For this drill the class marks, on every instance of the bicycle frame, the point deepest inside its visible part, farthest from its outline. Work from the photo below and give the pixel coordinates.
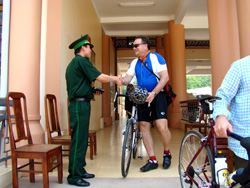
(209, 143)
(209, 140)
(133, 113)
(133, 118)
(205, 141)
(129, 142)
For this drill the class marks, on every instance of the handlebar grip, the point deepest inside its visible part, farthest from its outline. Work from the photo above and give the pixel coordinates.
(115, 100)
(234, 135)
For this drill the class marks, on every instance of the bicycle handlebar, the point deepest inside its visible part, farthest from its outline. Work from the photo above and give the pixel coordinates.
(235, 136)
(115, 98)
(242, 175)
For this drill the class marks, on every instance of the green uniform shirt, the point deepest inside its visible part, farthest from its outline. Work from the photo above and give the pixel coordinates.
(79, 75)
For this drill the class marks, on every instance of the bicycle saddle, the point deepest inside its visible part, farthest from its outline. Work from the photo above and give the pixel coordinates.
(208, 97)
(204, 104)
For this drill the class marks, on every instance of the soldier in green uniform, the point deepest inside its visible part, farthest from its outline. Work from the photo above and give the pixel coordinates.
(79, 75)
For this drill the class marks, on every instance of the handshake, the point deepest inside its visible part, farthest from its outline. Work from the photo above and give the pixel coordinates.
(118, 80)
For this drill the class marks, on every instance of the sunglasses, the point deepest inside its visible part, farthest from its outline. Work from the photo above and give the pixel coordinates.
(136, 45)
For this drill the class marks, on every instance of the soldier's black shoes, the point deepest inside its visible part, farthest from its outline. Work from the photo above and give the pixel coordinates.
(82, 183)
(88, 176)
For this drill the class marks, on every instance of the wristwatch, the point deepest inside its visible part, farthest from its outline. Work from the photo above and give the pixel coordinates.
(154, 93)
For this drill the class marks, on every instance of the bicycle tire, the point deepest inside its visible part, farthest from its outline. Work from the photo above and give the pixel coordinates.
(127, 148)
(202, 168)
(136, 141)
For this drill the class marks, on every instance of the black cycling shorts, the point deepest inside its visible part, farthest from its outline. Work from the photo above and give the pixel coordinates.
(156, 110)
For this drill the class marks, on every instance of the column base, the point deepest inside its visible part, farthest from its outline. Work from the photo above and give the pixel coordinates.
(108, 120)
(37, 132)
(174, 120)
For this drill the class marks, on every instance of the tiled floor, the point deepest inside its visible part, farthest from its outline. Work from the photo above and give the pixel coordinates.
(107, 162)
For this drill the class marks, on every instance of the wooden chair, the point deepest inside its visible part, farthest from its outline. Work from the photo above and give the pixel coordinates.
(91, 138)
(22, 145)
(201, 124)
(53, 124)
(92, 143)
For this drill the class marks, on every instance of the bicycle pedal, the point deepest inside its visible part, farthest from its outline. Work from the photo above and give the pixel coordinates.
(188, 181)
(140, 157)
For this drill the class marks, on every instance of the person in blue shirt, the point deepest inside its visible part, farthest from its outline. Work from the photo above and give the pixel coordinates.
(155, 108)
(234, 92)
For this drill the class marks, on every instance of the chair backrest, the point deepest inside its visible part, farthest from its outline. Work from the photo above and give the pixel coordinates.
(17, 119)
(51, 116)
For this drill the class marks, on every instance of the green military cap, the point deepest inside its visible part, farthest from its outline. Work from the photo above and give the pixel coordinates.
(80, 42)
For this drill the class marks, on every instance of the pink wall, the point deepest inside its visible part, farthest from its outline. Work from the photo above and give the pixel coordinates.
(52, 76)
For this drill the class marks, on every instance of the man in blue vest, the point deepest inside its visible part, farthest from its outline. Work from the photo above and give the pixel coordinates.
(155, 108)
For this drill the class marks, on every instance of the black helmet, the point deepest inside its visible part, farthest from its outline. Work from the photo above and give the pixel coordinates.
(138, 95)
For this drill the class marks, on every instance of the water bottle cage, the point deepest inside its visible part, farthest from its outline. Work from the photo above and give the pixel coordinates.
(225, 174)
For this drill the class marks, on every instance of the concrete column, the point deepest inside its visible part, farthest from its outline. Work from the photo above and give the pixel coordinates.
(24, 58)
(52, 74)
(50, 78)
(243, 7)
(159, 48)
(167, 54)
(224, 38)
(178, 71)
(105, 69)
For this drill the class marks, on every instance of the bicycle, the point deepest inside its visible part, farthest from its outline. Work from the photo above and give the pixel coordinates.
(132, 135)
(197, 154)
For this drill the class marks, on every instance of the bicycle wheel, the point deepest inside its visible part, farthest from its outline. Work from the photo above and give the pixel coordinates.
(136, 141)
(127, 148)
(202, 168)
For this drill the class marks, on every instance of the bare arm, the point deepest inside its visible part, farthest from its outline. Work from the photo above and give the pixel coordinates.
(221, 126)
(126, 79)
(107, 78)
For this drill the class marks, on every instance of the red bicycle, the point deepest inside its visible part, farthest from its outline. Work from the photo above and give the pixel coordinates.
(197, 155)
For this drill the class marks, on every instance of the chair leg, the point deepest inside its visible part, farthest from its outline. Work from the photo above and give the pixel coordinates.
(230, 161)
(60, 168)
(185, 129)
(91, 146)
(32, 174)
(95, 147)
(45, 163)
(14, 173)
